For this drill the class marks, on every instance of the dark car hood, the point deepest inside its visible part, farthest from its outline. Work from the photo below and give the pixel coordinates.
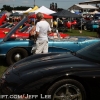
(13, 30)
(51, 61)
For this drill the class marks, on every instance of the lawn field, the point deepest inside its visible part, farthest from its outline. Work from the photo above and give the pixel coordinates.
(84, 33)
(4, 66)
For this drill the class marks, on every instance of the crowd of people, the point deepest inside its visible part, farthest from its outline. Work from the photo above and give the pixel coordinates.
(41, 30)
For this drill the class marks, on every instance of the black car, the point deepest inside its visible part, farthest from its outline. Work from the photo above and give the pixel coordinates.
(92, 25)
(81, 24)
(56, 76)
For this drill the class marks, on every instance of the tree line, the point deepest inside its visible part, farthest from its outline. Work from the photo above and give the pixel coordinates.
(9, 8)
(53, 6)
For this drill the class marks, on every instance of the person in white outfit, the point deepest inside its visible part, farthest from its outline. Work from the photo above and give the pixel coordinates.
(42, 30)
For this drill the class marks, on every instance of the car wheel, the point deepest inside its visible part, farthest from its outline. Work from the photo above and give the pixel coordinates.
(15, 55)
(67, 89)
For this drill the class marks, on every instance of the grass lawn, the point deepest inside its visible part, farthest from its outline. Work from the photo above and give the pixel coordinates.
(4, 66)
(84, 33)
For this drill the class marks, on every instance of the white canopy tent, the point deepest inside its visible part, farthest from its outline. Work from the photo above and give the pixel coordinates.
(44, 10)
(27, 10)
(72, 11)
(21, 11)
(78, 7)
(95, 12)
(90, 2)
(18, 11)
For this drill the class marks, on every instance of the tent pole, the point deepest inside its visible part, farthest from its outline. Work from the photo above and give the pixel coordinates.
(70, 23)
(57, 30)
(81, 25)
(57, 24)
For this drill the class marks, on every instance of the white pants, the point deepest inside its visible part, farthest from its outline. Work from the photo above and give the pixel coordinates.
(41, 46)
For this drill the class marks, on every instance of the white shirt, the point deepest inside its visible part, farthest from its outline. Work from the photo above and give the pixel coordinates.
(43, 27)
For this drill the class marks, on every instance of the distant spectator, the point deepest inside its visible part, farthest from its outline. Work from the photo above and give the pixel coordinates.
(60, 23)
(55, 24)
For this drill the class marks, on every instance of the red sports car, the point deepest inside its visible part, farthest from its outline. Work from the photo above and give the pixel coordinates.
(70, 24)
(21, 33)
(62, 35)
(2, 19)
(24, 32)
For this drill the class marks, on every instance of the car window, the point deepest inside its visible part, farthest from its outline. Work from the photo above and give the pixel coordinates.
(91, 52)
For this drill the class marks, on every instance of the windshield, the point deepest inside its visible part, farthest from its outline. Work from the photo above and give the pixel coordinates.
(91, 52)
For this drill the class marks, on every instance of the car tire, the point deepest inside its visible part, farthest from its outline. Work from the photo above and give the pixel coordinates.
(67, 89)
(15, 55)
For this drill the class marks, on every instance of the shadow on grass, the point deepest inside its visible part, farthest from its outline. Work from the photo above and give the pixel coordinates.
(3, 62)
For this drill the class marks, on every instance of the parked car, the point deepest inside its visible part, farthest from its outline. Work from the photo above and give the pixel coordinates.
(2, 19)
(14, 49)
(23, 32)
(61, 76)
(92, 25)
(4, 25)
(20, 32)
(81, 24)
(6, 29)
(70, 24)
(55, 35)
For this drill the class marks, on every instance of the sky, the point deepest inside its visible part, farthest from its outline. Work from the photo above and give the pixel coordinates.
(65, 4)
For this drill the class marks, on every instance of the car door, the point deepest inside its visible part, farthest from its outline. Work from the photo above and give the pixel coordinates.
(64, 45)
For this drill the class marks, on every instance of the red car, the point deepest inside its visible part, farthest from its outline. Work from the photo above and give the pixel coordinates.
(62, 35)
(24, 32)
(6, 28)
(70, 24)
(21, 33)
(2, 19)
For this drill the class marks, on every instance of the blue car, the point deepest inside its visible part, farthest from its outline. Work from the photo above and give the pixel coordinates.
(92, 25)
(14, 49)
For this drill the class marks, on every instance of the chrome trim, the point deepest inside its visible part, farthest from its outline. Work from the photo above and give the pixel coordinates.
(2, 54)
(63, 93)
